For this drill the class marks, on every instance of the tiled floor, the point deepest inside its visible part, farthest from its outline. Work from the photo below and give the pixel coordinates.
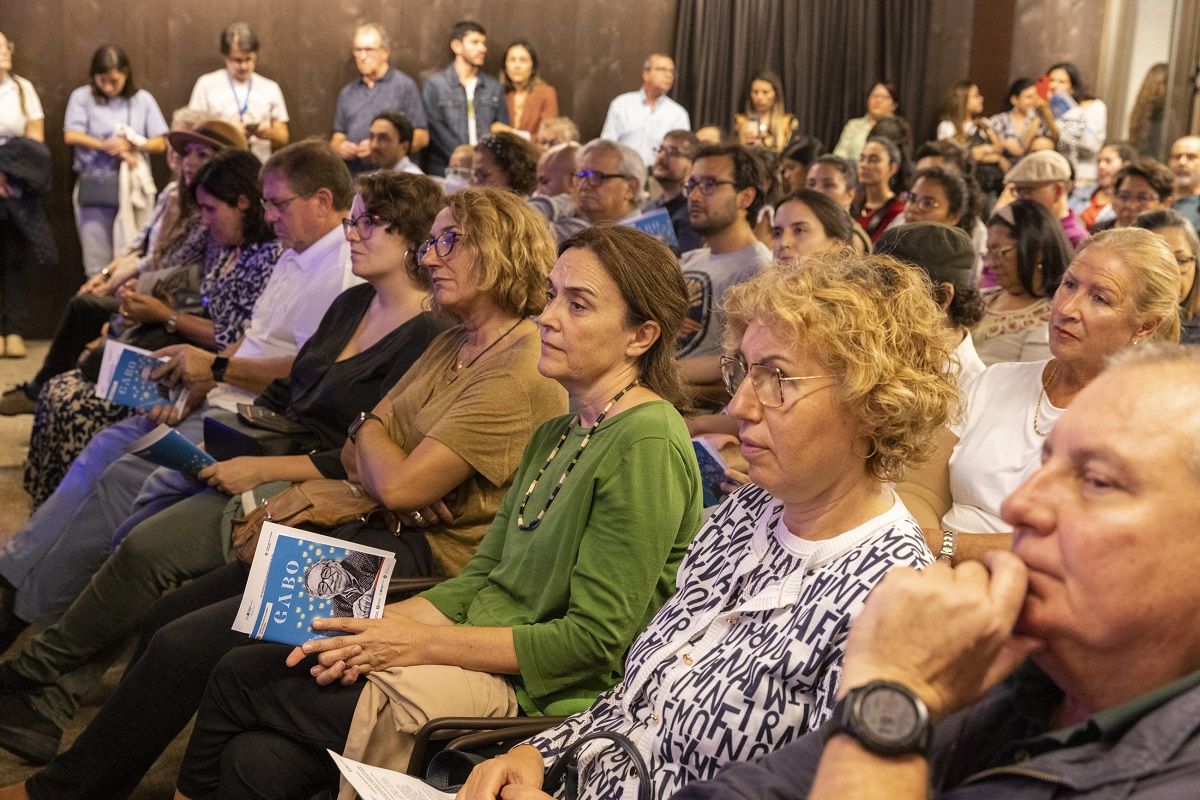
(14, 509)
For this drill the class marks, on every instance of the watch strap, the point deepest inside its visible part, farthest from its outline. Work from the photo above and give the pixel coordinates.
(847, 718)
(219, 365)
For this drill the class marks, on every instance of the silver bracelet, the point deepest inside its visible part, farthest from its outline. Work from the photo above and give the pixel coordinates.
(949, 544)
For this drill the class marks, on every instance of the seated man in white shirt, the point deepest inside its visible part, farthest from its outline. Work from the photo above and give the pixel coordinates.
(641, 119)
(391, 140)
(241, 96)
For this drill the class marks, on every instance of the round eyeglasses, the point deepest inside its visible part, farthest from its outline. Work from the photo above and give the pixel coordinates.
(442, 245)
(767, 381)
(364, 225)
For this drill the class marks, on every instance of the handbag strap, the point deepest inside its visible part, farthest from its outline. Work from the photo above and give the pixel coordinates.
(565, 772)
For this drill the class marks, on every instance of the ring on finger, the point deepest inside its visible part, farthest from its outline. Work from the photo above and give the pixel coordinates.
(417, 518)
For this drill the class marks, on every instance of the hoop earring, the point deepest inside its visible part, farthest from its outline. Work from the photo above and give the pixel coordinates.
(874, 448)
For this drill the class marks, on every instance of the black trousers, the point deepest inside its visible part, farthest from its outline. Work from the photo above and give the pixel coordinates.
(79, 324)
(14, 253)
(183, 638)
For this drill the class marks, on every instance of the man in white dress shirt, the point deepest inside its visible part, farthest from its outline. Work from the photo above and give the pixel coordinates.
(641, 119)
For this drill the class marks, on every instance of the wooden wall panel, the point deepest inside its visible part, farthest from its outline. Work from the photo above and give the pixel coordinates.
(589, 49)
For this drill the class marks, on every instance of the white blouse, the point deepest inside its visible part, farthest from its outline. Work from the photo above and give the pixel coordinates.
(12, 118)
(746, 656)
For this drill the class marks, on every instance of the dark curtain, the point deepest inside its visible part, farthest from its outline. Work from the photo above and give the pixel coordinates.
(828, 52)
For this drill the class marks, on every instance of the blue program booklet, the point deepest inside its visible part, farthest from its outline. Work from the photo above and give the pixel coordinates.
(298, 576)
(712, 471)
(125, 377)
(169, 448)
(657, 223)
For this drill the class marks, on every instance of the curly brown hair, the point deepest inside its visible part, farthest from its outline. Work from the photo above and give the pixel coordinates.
(872, 321)
(407, 204)
(516, 157)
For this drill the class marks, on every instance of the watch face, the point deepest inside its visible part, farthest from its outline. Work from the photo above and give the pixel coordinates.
(890, 715)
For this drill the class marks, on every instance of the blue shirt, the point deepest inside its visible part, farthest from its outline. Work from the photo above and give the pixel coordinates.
(358, 104)
(632, 121)
(86, 115)
(1189, 207)
(446, 110)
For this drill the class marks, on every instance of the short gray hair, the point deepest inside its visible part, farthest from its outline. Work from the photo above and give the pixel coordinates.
(374, 27)
(631, 163)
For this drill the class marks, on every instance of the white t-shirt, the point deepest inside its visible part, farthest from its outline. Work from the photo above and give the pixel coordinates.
(12, 119)
(300, 291)
(970, 366)
(708, 277)
(257, 100)
(997, 447)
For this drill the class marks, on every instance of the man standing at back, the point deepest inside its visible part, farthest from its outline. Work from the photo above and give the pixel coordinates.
(1185, 166)
(724, 192)
(461, 103)
(378, 88)
(641, 119)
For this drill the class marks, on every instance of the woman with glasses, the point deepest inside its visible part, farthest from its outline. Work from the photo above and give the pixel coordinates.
(1180, 235)
(837, 372)
(438, 451)
(1141, 186)
(239, 253)
(1121, 289)
(506, 161)
(582, 552)
(1028, 252)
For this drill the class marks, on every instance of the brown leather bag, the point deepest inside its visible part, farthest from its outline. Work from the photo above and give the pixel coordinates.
(320, 503)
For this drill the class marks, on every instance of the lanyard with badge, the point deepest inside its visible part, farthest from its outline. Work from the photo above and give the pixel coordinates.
(242, 106)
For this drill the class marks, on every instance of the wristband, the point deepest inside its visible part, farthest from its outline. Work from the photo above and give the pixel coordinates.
(219, 365)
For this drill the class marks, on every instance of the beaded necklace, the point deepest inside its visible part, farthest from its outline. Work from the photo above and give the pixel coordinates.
(587, 437)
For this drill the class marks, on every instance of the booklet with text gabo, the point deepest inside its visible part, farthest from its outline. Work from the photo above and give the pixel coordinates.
(125, 377)
(169, 448)
(298, 576)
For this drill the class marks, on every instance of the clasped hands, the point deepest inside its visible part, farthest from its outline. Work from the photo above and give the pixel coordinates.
(945, 632)
(367, 645)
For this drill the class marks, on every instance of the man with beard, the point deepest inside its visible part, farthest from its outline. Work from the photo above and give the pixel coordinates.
(390, 141)
(1185, 166)
(461, 102)
(672, 165)
(724, 194)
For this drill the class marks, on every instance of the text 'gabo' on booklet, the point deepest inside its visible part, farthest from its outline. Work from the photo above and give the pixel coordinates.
(169, 448)
(298, 576)
(125, 378)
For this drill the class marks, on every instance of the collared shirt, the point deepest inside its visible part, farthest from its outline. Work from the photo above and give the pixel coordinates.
(405, 164)
(446, 110)
(12, 118)
(300, 291)
(632, 121)
(358, 104)
(1190, 207)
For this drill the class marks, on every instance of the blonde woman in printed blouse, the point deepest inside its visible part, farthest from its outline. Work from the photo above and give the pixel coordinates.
(1028, 253)
(837, 372)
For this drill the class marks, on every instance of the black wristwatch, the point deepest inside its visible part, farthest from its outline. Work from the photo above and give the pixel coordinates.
(362, 417)
(219, 365)
(886, 718)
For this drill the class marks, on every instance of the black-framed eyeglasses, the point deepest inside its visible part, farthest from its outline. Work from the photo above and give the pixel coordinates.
(767, 381)
(443, 245)
(707, 185)
(669, 152)
(1142, 198)
(364, 225)
(279, 206)
(593, 178)
(921, 203)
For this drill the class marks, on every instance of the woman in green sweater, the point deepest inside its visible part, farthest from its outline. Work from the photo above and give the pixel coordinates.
(582, 552)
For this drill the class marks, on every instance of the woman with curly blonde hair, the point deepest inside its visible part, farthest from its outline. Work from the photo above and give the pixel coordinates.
(838, 372)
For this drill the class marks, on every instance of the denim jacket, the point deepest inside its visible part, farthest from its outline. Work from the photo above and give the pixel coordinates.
(446, 108)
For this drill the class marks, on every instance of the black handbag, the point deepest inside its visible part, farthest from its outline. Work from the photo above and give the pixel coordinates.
(226, 437)
(100, 189)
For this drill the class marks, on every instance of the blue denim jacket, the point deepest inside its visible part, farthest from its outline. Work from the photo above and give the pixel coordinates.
(446, 108)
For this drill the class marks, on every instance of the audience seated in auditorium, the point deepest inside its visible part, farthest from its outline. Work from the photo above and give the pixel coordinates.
(808, 222)
(705, 683)
(642, 118)
(724, 194)
(837, 179)
(1045, 177)
(795, 160)
(1106, 705)
(572, 568)
(1185, 165)
(531, 101)
(1122, 289)
(379, 88)
(880, 185)
(239, 95)
(438, 455)
(1027, 254)
(1098, 208)
(556, 131)
(454, 118)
